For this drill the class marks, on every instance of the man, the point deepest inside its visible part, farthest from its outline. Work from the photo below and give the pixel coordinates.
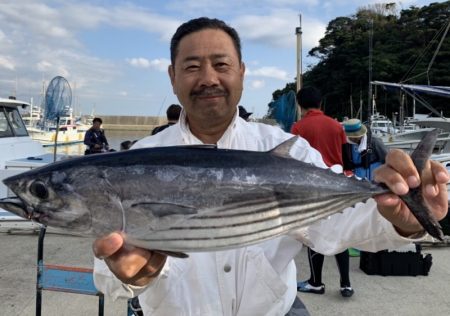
(243, 113)
(95, 138)
(329, 142)
(207, 75)
(359, 160)
(321, 131)
(173, 114)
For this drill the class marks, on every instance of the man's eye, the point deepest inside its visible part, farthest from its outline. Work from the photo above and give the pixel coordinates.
(192, 67)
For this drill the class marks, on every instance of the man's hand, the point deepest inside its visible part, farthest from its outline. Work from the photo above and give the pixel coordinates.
(131, 265)
(400, 174)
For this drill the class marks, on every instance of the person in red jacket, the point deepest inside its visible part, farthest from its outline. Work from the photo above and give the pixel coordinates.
(327, 136)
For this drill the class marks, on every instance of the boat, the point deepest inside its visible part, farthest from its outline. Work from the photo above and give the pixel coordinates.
(380, 125)
(19, 153)
(69, 132)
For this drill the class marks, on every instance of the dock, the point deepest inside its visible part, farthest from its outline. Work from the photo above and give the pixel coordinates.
(374, 295)
(131, 123)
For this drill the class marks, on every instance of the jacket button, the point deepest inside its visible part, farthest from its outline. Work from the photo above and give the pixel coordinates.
(227, 268)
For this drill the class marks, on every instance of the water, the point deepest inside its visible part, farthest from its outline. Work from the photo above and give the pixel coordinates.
(114, 138)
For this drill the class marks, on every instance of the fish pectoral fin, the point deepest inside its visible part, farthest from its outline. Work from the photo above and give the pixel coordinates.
(165, 209)
(156, 216)
(175, 254)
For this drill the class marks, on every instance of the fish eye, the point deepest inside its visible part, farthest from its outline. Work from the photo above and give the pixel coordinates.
(38, 189)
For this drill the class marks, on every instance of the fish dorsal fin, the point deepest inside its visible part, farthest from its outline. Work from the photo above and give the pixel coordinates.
(283, 149)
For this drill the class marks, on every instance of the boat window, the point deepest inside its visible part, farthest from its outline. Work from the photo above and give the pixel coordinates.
(15, 121)
(5, 129)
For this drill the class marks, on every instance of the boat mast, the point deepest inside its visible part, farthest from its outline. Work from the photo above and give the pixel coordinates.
(371, 99)
(298, 33)
(436, 52)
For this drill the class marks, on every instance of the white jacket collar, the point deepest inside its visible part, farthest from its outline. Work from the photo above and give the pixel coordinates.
(224, 142)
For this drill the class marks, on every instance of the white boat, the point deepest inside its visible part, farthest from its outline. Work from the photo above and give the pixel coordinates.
(18, 154)
(68, 132)
(381, 126)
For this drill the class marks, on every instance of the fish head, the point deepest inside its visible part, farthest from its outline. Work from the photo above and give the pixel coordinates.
(47, 198)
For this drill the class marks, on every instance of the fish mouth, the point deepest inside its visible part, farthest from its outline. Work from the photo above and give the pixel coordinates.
(15, 205)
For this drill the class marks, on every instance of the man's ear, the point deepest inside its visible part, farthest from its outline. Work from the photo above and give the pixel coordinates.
(171, 71)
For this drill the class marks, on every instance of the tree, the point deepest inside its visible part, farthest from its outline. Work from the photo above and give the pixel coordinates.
(403, 45)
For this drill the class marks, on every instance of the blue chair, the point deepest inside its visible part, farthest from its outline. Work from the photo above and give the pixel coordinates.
(63, 279)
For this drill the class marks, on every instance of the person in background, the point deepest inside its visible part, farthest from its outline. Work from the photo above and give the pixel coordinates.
(95, 138)
(173, 114)
(356, 156)
(243, 113)
(327, 136)
(207, 76)
(125, 145)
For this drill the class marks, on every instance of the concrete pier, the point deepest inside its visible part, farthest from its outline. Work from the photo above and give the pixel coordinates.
(374, 295)
(131, 123)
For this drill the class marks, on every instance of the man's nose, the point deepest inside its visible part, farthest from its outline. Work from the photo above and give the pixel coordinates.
(209, 76)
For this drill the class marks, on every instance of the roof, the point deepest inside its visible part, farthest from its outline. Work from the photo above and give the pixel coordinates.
(12, 102)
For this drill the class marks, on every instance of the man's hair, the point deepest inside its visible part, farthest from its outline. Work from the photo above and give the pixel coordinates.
(97, 119)
(173, 112)
(309, 98)
(200, 24)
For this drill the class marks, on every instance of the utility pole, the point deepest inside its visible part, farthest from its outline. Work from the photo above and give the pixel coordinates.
(298, 33)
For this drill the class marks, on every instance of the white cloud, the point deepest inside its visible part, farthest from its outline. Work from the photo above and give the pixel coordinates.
(139, 62)
(123, 93)
(6, 63)
(278, 29)
(43, 66)
(159, 64)
(269, 72)
(87, 16)
(257, 84)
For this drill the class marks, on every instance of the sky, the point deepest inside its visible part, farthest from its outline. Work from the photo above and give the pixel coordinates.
(115, 54)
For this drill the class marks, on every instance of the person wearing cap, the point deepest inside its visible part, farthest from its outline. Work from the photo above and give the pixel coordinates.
(361, 161)
(243, 113)
(329, 142)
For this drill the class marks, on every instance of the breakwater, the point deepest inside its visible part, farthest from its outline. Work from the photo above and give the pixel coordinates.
(131, 123)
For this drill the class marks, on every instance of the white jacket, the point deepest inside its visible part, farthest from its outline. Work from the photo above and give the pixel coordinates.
(254, 280)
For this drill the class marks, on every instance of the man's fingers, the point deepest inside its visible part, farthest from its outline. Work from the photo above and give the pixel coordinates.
(153, 265)
(387, 200)
(396, 183)
(401, 162)
(128, 261)
(106, 246)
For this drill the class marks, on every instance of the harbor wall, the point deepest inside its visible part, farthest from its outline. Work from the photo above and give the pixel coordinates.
(131, 123)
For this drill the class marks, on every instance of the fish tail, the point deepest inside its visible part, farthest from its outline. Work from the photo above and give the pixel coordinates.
(414, 199)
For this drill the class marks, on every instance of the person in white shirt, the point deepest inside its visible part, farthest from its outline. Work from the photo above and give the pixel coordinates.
(207, 76)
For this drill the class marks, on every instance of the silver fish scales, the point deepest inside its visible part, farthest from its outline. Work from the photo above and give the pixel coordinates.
(189, 198)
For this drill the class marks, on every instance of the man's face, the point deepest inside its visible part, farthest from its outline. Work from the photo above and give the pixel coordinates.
(207, 76)
(355, 140)
(96, 125)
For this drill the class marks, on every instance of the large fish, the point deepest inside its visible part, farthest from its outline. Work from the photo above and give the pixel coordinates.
(194, 198)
